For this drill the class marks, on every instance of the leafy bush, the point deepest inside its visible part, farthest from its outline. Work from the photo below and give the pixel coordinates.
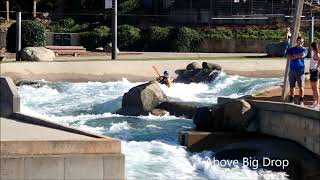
(156, 38)
(128, 6)
(32, 35)
(128, 37)
(221, 33)
(68, 26)
(184, 39)
(218, 33)
(98, 37)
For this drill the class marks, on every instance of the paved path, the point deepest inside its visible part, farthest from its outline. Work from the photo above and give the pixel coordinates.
(12, 130)
(81, 69)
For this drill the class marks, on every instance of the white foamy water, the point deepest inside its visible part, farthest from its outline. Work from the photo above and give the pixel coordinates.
(149, 142)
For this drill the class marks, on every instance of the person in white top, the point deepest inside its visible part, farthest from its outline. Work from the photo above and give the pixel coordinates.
(314, 74)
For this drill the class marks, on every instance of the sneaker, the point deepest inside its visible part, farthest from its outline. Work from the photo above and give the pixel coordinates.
(315, 106)
(301, 101)
(290, 99)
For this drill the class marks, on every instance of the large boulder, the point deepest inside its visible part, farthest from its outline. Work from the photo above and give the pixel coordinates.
(159, 112)
(178, 109)
(232, 116)
(238, 114)
(211, 66)
(209, 118)
(37, 54)
(142, 99)
(193, 66)
(194, 73)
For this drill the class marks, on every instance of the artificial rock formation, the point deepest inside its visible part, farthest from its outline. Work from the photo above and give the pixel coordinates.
(37, 54)
(231, 116)
(196, 73)
(142, 99)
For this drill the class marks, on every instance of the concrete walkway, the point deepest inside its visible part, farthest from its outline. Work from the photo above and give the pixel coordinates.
(12, 130)
(82, 71)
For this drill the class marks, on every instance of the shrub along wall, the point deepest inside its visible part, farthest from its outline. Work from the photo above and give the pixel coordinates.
(155, 38)
(32, 34)
(98, 37)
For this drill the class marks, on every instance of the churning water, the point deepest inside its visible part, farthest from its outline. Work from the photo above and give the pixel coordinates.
(149, 143)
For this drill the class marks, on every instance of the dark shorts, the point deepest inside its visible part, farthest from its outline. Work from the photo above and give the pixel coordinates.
(296, 76)
(314, 75)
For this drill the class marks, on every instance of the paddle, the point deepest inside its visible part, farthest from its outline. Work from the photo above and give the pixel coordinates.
(156, 70)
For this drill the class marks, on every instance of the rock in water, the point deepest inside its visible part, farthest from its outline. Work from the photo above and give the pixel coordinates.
(178, 109)
(194, 73)
(211, 66)
(142, 99)
(193, 66)
(159, 112)
(37, 54)
(209, 118)
(238, 114)
(231, 116)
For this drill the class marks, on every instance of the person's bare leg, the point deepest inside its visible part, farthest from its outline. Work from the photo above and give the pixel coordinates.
(317, 92)
(301, 91)
(314, 91)
(291, 93)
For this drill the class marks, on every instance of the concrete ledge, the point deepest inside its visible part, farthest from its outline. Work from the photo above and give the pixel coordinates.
(197, 141)
(286, 108)
(104, 146)
(85, 166)
(45, 123)
(287, 121)
(9, 97)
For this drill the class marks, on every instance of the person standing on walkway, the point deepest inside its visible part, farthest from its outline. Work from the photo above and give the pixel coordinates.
(287, 40)
(296, 57)
(314, 75)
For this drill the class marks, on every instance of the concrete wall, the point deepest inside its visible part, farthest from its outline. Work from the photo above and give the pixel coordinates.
(9, 97)
(68, 167)
(74, 41)
(233, 46)
(207, 46)
(287, 121)
(292, 122)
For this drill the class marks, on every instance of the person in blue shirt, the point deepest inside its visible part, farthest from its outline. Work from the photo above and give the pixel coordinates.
(296, 57)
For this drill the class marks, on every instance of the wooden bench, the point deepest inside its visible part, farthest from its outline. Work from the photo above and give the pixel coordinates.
(67, 50)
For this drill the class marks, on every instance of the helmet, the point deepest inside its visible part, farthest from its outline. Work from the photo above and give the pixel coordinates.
(166, 73)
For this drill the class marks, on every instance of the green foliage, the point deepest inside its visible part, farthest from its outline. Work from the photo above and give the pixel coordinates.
(128, 6)
(128, 37)
(98, 37)
(184, 39)
(68, 26)
(156, 38)
(221, 33)
(260, 34)
(218, 33)
(32, 35)
(317, 36)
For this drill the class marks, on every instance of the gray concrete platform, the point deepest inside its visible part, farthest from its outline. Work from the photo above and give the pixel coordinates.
(12, 130)
(20, 138)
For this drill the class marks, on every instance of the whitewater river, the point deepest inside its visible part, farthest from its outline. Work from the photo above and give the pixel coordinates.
(149, 143)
